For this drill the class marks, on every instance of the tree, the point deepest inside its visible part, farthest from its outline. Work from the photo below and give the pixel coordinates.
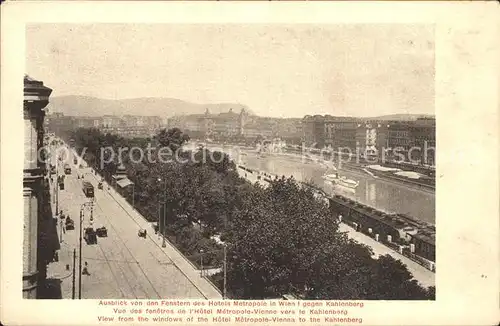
(280, 239)
(174, 138)
(284, 240)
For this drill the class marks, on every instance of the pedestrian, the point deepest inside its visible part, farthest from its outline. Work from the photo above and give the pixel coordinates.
(85, 271)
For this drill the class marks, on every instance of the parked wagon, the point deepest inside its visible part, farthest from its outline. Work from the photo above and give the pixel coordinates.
(142, 233)
(102, 232)
(70, 224)
(90, 236)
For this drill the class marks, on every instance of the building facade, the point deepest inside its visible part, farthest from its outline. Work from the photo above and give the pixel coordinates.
(36, 98)
(241, 125)
(401, 140)
(341, 135)
(424, 141)
(371, 137)
(313, 128)
(125, 126)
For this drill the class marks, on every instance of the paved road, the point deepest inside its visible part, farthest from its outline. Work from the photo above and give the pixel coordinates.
(123, 265)
(424, 276)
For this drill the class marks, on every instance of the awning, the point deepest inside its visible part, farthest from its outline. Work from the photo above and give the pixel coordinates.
(119, 177)
(125, 182)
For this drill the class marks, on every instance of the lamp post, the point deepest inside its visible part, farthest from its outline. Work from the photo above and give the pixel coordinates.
(225, 273)
(53, 183)
(61, 231)
(133, 195)
(164, 244)
(57, 186)
(74, 274)
(80, 256)
(158, 220)
(201, 262)
(80, 246)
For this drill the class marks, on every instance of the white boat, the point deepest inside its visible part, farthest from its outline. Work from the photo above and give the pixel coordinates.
(340, 180)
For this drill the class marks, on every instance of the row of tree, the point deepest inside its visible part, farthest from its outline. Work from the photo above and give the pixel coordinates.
(280, 239)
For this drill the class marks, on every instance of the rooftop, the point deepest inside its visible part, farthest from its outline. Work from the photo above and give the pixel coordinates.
(34, 90)
(398, 221)
(426, 236)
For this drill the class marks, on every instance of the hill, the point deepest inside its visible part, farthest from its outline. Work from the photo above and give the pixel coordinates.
(76, 105)
(403, 116)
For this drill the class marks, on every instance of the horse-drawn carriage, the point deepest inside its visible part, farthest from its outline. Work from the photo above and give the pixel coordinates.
(90, 236)
(102, 232)
(70, 224)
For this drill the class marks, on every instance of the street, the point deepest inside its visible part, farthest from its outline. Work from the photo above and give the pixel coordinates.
(424, 276)
(121, 265)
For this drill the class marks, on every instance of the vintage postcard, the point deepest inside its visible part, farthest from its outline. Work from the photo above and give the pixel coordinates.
(250, 163)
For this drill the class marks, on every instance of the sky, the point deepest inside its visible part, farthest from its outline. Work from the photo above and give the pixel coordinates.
(276, 70)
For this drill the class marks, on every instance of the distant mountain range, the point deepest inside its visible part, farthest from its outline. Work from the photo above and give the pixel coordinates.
(402, 116)
(75, 105)
(86, 106)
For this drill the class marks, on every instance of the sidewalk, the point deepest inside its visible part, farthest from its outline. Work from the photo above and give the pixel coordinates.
(182, 263)
(57, 270)
(424, 276)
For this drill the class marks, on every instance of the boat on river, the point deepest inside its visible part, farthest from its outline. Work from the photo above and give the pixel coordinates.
(335, 179)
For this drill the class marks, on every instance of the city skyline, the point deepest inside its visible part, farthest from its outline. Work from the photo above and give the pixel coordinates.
(278, 71)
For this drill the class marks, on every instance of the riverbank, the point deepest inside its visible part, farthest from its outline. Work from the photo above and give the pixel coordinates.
(423, 274)
(384, 194)
(424, 183)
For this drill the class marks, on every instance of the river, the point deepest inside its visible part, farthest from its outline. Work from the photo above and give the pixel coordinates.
(388, 196)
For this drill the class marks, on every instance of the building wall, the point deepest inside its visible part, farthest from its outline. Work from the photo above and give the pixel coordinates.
(30, 239)
(35, 99)
(424, 249)
(30, 143)
(345, 135)
(424, 137)
(399, 139)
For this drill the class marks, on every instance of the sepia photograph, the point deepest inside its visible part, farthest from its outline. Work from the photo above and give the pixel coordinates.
(229, 161)
(249, 162)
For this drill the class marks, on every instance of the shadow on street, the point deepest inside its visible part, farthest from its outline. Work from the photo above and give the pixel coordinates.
(51, 289)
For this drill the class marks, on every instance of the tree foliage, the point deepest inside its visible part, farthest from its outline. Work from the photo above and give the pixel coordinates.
(280, 239)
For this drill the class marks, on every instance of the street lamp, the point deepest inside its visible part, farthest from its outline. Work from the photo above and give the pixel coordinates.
(57, 186)
(133, 195)
(61, 231)
(201, 262)
(80, 245)
(164, 244)
(224, 296)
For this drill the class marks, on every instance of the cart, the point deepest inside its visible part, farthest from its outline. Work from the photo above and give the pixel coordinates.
(70, 224)
(102, 232)
(142, 233)
(90, 236)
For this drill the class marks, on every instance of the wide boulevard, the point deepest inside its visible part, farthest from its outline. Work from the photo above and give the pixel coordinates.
(121, 265)
(385, 195)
